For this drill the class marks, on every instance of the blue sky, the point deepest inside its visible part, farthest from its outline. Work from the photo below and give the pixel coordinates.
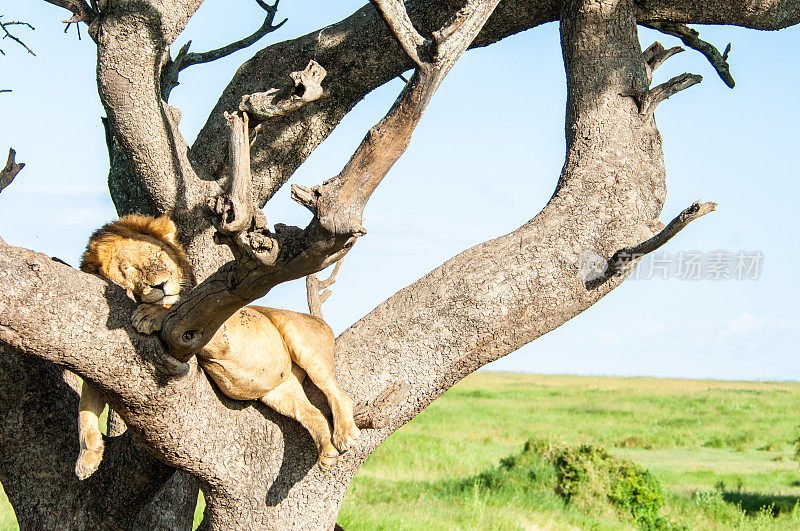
(472, 172)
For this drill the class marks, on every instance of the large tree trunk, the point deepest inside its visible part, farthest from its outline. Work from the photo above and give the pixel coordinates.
(256, 468)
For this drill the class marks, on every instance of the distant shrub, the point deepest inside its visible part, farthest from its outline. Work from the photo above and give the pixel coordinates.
(586, 476)
(588, 473)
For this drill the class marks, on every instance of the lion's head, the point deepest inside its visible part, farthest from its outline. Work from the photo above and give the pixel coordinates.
(141, 254)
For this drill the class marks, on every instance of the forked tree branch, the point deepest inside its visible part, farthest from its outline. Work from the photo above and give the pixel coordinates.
(8, 35)
(691, 38)
(11, 169)
(185, 59)
(650, 99)
(655, 55)
(317, 290)
(265, 258)
(624, 256)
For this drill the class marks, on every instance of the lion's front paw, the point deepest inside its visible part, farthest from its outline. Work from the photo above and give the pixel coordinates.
(90, 456)
(345, 435)
(149, 318)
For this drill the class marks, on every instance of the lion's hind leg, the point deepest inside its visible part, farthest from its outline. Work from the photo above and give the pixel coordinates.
(290, 400)
(314, 354)
(89, 436)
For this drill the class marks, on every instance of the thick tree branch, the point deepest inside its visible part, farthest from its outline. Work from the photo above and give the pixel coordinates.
(691, 38)
(11, 169)
(185, 59)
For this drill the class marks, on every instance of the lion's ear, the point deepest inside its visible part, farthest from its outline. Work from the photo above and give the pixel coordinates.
(165, 227)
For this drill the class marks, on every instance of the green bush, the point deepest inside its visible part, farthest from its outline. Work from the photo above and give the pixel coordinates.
(586, 477)
(589, 474)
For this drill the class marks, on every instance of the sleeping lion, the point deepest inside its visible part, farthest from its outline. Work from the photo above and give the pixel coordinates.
(258, 353)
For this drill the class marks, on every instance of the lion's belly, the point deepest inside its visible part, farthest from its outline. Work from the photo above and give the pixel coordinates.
(246, 357)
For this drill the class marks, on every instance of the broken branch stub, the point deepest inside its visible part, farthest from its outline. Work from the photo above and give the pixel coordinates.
(274, 102)
(650, 99)
(655, 55)
(233, 212)
(11, 169)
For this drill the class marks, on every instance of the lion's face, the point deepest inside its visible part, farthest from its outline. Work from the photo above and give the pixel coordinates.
(140, 254)
(148, 270)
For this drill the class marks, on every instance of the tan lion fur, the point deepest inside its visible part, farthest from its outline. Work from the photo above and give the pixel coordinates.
(258, 353)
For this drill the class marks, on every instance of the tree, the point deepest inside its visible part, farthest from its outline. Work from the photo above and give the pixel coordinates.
(254, 466)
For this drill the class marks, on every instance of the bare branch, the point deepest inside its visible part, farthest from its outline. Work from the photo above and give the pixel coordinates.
(185, 59)
(317, 292)
(234, 211)
(691, 38)
(7, 34)
(650, 100)
(628, 254)
(273, 103)
(655, 55)
(395, 15)
(11, 169)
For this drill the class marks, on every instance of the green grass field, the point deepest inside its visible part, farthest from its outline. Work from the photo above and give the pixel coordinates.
(722, 452)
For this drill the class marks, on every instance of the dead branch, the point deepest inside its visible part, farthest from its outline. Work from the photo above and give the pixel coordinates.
(265, 258)
(233, 212)
(317, 290)
(402, 28)
(650, 100)
(274, 102)
(185, 59)
(655, 55)
(8, 35)
(628, 254)
(691, 38)
(11, 169)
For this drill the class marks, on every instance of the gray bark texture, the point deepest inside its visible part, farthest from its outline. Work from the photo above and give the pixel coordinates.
(256, 467)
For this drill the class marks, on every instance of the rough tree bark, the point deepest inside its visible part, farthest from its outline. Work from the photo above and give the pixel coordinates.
(256, 467)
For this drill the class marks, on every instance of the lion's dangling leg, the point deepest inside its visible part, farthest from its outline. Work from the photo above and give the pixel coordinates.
(317, 361)
(290, 400)
(89, 436)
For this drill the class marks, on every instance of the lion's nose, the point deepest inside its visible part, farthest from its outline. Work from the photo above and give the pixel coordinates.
(161, 286)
